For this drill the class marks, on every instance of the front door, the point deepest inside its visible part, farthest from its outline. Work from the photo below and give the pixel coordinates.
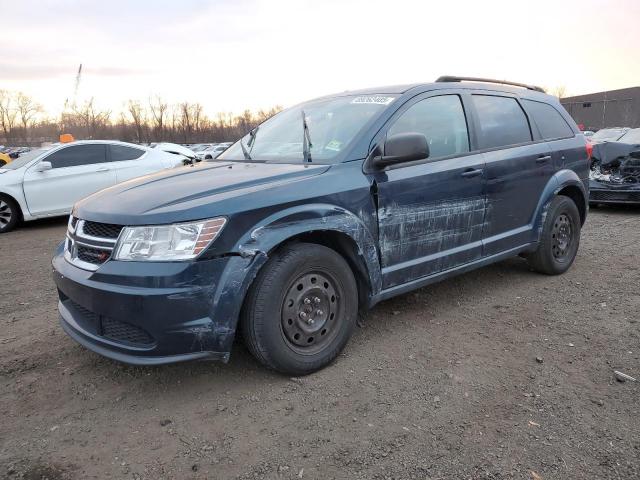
(77, 171)
(431, 213)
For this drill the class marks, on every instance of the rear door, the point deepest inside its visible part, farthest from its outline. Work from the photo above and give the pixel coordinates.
(130, 162)
(566, 151)
(77, 171)
(518, 167)
(431, 212)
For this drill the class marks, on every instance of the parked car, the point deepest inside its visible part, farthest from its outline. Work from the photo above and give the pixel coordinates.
(47, 182)
(608, 134)
(186, 155)
(211, 152)
(198, 147)
(615, 170)
(4, 159)
(326, 208)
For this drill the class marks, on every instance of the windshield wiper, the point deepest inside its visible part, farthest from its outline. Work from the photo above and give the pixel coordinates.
(245, 152)
(306, 140)
(252, 138)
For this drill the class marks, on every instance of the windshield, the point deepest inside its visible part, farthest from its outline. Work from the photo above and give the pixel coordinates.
(608, 134)
(25, 158)
(632, 136)
(332, 124)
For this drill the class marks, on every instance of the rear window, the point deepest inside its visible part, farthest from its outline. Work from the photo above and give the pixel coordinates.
(548, 119)
(502, 121)
(122, 152)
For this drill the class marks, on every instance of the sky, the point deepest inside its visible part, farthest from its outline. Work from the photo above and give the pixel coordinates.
(232, 55)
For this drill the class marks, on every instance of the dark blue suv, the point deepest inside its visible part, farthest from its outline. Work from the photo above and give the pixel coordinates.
(326, 208)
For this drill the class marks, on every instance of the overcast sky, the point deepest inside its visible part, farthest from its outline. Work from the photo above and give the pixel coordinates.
(233, 54)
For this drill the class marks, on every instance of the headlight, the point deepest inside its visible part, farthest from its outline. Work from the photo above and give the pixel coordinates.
(180, 241)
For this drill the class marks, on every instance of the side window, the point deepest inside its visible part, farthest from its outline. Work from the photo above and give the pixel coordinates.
(122, 152)
(548, 120)
(440, 119)
(76, 155)
(502, 121)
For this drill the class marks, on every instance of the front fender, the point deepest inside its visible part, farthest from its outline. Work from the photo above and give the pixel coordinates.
(283, 225)
(252, 251)
(560, 180)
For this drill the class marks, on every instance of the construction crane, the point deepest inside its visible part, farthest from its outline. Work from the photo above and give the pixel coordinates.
(73, 101)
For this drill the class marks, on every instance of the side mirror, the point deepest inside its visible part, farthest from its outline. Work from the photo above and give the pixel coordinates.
(403, 147)
(43, 166)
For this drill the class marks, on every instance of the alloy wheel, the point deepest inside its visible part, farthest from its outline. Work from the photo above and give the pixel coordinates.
(5, 214)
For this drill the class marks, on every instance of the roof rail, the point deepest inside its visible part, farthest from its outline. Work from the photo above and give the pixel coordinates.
(449, 78)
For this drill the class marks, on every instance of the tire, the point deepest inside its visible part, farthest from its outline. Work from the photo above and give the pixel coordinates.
(560, 238)
(9, 214)
(2, 163)
(301, 309)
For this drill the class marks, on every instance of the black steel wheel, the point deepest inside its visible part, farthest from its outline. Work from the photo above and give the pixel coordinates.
(309, 312)
(301, 309)
(559, 239)
(9, 214)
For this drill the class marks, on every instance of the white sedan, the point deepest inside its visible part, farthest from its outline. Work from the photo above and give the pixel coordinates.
(48, 182)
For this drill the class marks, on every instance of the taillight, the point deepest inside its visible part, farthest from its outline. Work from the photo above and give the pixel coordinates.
(589, 149)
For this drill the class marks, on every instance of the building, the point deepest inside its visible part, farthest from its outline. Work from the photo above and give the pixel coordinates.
(615, 108)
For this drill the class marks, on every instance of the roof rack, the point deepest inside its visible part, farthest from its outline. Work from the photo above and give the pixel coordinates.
(449, 78)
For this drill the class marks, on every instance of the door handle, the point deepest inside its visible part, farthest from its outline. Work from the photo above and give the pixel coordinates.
(543, 158)
(471, 173)
(102, 170)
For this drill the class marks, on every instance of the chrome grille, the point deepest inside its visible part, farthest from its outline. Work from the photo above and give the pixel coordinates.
(89, 244)
(104, 230)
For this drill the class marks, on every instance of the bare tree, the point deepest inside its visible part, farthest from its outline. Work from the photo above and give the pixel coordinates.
(559, 92)
(93, 120)
(8, 114)
(158, 111)
(27, 109)
(137, 117)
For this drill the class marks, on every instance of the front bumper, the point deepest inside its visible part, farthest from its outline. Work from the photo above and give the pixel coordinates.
(600, 192)
(146, 313)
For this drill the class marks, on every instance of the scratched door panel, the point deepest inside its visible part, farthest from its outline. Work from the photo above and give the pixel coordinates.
(430, 217)
(515, 181)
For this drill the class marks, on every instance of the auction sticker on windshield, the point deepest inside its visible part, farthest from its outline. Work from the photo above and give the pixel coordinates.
(376, 99)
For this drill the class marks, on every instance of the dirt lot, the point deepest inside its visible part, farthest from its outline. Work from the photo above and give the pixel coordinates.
(441, 383)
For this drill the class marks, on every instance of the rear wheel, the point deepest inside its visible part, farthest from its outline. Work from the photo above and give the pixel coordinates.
(301, 309)
(560, 238)
(9, 214)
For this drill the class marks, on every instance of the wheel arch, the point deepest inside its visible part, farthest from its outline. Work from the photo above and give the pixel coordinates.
(334, 227)
(564, 182)
(16, 201)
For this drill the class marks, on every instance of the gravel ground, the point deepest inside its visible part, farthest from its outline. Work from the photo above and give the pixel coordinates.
(499, 373)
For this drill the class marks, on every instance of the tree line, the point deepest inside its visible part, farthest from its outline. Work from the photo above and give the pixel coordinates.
(23, 121)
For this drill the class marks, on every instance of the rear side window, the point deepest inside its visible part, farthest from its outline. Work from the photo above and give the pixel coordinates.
(440, 119)
(502, 121)
(77, 155)
(548, 119)
(122, 152)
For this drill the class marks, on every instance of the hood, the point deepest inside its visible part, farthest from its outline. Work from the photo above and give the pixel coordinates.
(188, 193)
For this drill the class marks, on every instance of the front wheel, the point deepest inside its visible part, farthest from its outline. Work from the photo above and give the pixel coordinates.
(9, 214)
(560, 238)
(301, 310)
